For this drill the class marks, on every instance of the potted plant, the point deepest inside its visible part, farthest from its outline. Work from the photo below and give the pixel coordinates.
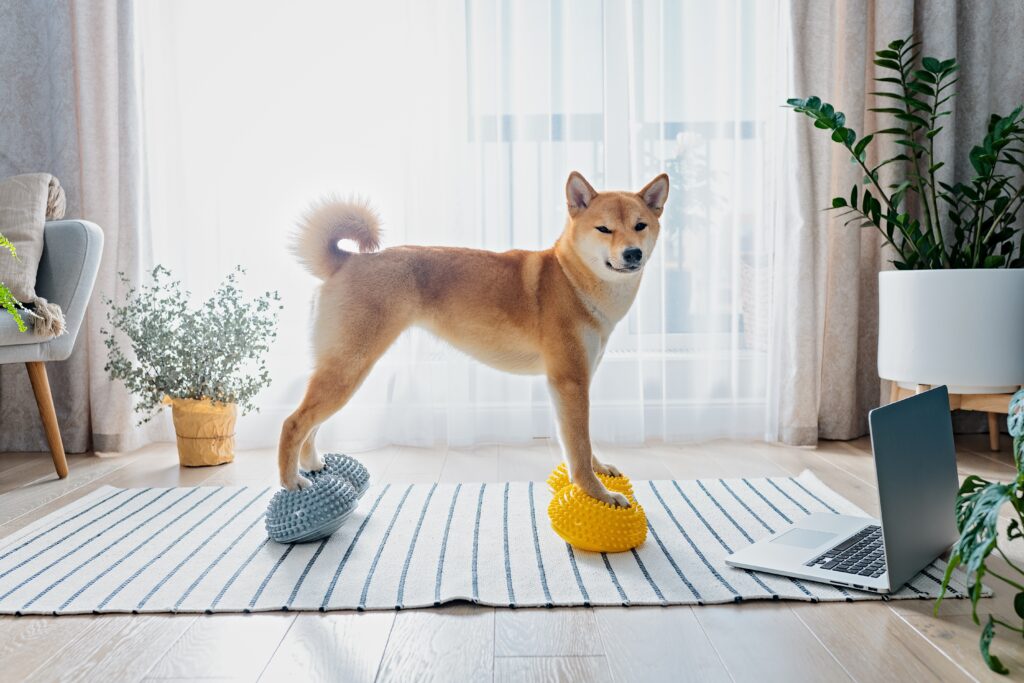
(206, 362)
(977, 517)
(947, 314)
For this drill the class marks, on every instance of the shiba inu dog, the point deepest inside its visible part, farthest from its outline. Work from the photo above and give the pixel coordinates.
(536, 312)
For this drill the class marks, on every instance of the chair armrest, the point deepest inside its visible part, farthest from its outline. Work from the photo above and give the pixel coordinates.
(67, 273)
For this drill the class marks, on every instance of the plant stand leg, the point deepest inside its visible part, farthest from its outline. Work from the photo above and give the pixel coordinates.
(993, 431)
(44, 401)
(894, 391)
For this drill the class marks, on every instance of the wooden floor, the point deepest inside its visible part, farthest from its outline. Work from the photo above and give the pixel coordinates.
(898, 641)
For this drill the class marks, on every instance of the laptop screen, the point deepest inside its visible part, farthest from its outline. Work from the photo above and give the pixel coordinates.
(915, 463)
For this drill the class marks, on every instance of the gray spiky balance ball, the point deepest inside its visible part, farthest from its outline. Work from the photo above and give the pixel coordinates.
(346, 467)
(317, 511)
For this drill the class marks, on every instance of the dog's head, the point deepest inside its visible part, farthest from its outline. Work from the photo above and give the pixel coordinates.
(614, 233)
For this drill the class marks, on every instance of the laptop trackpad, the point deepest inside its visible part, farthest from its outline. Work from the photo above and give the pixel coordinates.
(803, 538)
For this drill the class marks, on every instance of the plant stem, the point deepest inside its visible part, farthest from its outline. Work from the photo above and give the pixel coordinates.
(931, 175)
(1006, 580)
(980, 220)
(1018, 629)
(1007, 559)
(918, 187)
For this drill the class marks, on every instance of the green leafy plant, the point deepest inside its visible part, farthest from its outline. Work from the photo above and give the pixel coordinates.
(7, 300)
(919, 211)
(978, 506)
(212, 351)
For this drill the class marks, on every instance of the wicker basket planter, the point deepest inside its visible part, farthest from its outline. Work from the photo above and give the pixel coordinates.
(205, 431)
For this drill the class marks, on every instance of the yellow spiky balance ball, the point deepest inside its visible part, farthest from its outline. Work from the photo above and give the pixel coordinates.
(586, 523)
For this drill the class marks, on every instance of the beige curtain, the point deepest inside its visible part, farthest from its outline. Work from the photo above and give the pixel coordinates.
(826, 318)
(68, 106)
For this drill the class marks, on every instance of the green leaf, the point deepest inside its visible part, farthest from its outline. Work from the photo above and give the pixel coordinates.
(912, 118)
(796, 102)
(888, 64)
(987, 634)
(932, 133)
(887, 54)
(853, 196)
(862, 145)
(932, 64)
(921, 88)
(838, 203)
(813, 102)
(994, 261)
(935, 167)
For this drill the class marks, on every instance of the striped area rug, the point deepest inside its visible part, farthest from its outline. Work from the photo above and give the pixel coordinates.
(205, 550)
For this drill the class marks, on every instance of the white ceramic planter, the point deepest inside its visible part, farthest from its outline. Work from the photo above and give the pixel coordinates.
(962, 328)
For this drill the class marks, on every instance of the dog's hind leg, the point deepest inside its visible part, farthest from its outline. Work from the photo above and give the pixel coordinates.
(329, 390)
(337, 376)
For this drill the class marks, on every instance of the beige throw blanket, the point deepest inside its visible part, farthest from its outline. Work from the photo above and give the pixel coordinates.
(26, 202)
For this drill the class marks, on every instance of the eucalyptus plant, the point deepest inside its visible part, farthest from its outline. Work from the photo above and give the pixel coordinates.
(978, 507)
(929, 221)
(213, 351)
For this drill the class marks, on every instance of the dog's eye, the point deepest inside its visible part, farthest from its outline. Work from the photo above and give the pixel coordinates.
(603, 229)
(640, 226)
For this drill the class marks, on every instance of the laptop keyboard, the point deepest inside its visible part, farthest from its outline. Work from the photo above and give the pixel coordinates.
(862, 554)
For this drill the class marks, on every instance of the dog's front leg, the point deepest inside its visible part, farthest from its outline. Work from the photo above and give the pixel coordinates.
(572, 402)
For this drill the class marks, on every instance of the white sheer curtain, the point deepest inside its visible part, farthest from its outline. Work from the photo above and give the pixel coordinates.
(461, 120)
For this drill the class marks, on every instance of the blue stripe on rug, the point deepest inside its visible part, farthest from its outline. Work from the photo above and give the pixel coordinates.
(101, 552)
(202, 545)
(536, 547)
(82, 545)
(686, 536)
(757, 579)
(351, 547)
(579, 578)
(476, 543)
(138, 572)
(35, 538)
(412, 548)
(508, 559)
(216, 561)
(672, 562)
(444, 545)
(380, 548)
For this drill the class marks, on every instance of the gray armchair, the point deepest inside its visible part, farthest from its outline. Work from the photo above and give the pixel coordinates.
(67, 272)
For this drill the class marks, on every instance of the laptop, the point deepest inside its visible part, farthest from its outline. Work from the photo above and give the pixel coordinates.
(915, 464)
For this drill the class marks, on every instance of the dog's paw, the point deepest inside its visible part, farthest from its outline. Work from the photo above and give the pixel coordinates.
(597, 490)
(606, 469)
(315, 463)
(296, 483)
(615, 499)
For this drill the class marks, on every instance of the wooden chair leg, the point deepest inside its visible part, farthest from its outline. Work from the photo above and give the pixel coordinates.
(993, 431)
(894, 391)
(44, 401)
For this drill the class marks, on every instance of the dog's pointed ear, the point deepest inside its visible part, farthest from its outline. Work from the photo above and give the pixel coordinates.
(655, 193)
(578, 193)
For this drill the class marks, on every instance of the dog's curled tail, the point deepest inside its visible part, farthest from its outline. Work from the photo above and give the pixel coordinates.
(329, 220)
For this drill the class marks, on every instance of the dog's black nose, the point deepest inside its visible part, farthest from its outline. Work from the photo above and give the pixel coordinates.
(632, 256)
